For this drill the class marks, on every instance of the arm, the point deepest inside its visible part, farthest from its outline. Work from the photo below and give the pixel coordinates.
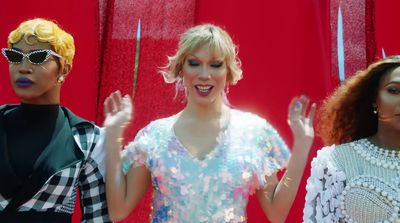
(276, 197)
(91, 180)
(92, 194)
(123, 191)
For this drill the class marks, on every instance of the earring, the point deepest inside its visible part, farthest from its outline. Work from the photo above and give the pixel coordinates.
(60, 79)
(375, 109)
(227, 89)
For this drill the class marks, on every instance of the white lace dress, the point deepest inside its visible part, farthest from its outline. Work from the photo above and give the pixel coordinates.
(354, 182)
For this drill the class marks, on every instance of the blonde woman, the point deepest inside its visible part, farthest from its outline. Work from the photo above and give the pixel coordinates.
(47, 152)
(204, 161)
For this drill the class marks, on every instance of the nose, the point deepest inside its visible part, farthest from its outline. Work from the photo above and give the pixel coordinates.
(204, 73)
(25, 67)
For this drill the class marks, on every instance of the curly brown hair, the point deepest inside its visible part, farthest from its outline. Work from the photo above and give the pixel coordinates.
(347, 114)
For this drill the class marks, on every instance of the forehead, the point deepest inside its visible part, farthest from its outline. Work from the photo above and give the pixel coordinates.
(206, 51)
(393, 76)
(31, 44)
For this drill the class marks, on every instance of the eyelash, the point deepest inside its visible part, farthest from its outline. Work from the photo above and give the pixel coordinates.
(393, 90)
(193, 63)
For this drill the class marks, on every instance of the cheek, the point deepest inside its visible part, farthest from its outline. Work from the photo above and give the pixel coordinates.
(13, 72)
(188, 72)
(49, 72)
(387, 102)
(221, 77)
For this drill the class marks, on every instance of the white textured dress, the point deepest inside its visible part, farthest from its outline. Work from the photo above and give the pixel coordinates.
(354, 182)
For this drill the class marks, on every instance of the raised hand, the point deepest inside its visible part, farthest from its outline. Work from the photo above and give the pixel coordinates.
(117, 110)
(300, 122)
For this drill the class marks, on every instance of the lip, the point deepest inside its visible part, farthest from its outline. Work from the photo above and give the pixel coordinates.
(23, 82)
(203, 89)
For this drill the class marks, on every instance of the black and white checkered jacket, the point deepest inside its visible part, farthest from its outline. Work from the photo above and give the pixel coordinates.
(49, 194)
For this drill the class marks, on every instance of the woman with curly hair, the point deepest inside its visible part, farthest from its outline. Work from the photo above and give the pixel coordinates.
(357, 178)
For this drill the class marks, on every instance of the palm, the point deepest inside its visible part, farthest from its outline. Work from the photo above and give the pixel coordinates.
(300, 123)
(117, 110)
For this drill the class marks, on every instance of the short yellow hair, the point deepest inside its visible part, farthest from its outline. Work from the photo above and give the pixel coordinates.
(218, 41)
(47, 32)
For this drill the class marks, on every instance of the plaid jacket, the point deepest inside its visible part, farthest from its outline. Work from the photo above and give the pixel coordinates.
(52, 188)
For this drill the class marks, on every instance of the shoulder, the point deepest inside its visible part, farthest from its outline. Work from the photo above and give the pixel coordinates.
(334, 156)
(77, 121)
(8, 107)
(153, 133)
(248, 120)
(238, 115)
(158, 126)
(85, 132)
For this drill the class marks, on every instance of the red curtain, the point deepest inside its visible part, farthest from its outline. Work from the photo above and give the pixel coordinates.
(162, 21)
(284, 48)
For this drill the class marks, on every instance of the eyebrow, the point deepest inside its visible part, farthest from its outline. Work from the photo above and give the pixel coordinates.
(393, 82)
(219, 60)
(19, 50)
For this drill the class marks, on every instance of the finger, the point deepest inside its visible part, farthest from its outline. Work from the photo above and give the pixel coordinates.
(115, 102)
(311, 114)
(127, 104)
(117, 99)
(305, 101)
(106, 106)
(292, 105)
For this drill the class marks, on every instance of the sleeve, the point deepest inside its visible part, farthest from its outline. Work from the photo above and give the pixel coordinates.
(92, 184)
(324, 188)
(136, 153)
(274, 152)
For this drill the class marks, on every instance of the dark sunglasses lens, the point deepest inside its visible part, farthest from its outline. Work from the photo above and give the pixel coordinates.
(13, 57)
(38, 57)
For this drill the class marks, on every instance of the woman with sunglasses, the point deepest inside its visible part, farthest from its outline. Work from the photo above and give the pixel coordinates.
(357, 177)
(47, 152)
(205, 161)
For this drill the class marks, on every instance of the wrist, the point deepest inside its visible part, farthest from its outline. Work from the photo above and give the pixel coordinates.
(302, 147)
(115, 131)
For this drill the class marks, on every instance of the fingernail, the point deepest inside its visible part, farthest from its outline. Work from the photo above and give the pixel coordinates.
(297, 105)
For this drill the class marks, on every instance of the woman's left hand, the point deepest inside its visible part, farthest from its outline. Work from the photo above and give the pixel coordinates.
(300, 122)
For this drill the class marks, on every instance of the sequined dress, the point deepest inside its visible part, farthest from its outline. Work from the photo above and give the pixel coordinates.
(354, 182)
(217, 188)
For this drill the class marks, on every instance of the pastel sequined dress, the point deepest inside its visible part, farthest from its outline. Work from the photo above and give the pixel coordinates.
(217, 188)
(354, 182)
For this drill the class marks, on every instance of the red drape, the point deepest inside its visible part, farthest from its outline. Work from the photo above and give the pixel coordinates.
(162, 21)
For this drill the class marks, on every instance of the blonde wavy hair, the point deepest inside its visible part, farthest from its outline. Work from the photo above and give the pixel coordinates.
(47, 32)
(218, 41)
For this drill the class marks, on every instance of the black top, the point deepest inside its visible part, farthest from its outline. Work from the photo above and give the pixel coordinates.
(29, 129)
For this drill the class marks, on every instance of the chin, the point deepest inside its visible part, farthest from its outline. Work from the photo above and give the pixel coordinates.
(205, 101)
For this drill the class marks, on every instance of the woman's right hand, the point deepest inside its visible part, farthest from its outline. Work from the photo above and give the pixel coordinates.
(117, 110)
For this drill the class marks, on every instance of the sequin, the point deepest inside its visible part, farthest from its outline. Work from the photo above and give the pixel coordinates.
(215, 189)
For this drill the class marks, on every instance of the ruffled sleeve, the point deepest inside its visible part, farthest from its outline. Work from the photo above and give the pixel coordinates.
(324, 188)
(274, 152)
(136, 153)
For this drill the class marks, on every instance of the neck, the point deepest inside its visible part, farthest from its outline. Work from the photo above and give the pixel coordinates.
(51, 97)
(47, 99)
(205, 112)
(387, 138)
